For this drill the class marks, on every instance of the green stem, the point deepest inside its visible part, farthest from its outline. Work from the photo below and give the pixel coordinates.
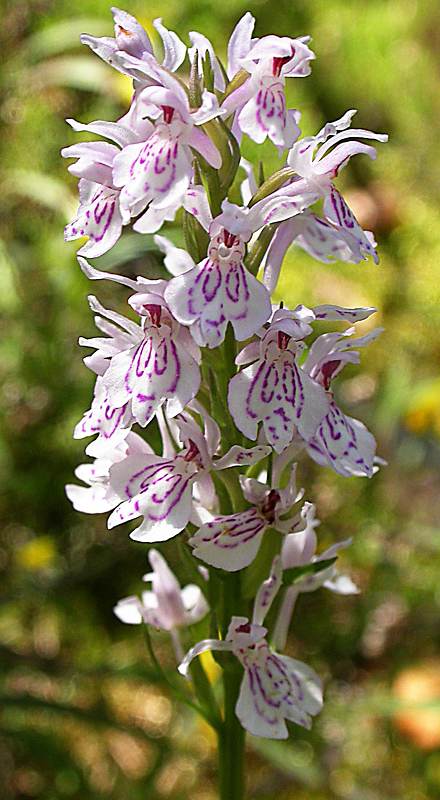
(231, 740)
(231, 737)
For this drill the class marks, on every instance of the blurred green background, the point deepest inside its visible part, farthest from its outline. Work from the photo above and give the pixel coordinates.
(82, 713)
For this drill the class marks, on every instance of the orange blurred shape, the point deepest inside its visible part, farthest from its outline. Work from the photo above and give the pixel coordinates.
(419, 686)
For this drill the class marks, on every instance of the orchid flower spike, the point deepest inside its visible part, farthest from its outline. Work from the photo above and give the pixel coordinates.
(274, 688)
(340, 442)
(220, 290)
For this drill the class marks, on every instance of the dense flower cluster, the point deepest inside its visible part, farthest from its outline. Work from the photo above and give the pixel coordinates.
(233, 423)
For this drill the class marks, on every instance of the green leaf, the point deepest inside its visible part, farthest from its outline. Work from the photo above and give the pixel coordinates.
(196, 238)
(296, 573)
(276, 181)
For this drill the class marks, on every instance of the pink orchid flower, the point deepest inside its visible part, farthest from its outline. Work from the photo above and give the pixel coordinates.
(232, 542)
(340, 442)
(259, 103)
(131, 39)
(274, 688)
(219, 290)
(153, 175)
(143, 366)
(324, 238)
(274, 390)
(99, 215)
(161, 489)
(166, 606)
(98, 496)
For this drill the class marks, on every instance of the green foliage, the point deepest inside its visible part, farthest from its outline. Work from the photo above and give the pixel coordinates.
(295, 574)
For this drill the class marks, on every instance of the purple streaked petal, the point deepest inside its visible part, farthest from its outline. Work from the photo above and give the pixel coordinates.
(230, 542)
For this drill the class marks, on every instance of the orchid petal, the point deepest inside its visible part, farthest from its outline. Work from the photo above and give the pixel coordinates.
(153, 219)
(344, 444)
(255, 710)
(156, 286)
(129, 610)
(342, 314)
(203, 144)
(240, 43)
(341, 584)
(199, 648)
(98, 217)
(118, 133)
(275, 688)
(238, 456)
(230, 542)
(157, 171)
(278, 247)
(112, 423)
(213, 294)
(174, 48)
(340, 214)
(208, 110)
(176, 259)
(159, 490)
(267, 592)
(196, 203)
(281, 396)
(130, 35)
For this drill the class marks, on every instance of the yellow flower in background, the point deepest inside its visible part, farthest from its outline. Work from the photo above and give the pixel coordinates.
(36, 554)
(423, 413)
